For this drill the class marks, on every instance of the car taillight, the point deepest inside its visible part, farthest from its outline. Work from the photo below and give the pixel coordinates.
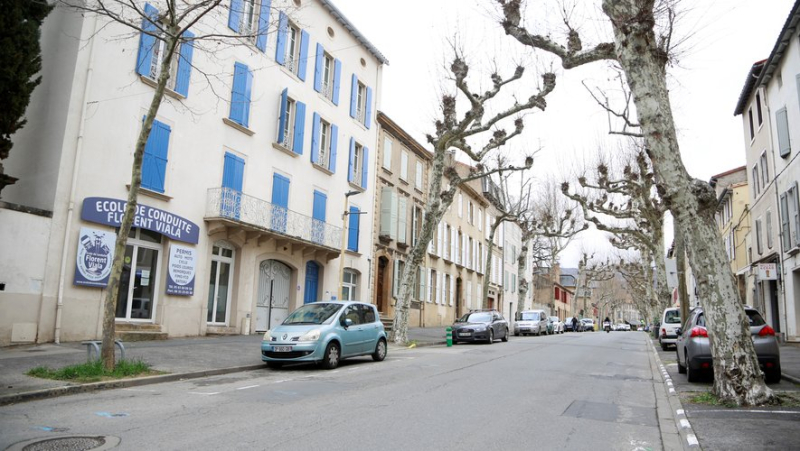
(663, 332)
(766, 331)
(698, 331)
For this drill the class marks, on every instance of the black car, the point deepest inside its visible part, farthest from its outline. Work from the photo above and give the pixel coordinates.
(484, 325)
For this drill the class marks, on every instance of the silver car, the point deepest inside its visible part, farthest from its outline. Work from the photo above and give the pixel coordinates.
(531, 322)
(670, 323)
(694, 349)
(558, 325)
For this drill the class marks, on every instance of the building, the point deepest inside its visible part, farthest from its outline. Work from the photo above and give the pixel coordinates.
(512, 243)
(733, 219)
(257, 154)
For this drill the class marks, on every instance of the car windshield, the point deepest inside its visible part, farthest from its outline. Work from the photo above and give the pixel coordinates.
(672, 317)
(316, 313)
(587, 321)
(755, 318)
(529, 316)
(479, 317)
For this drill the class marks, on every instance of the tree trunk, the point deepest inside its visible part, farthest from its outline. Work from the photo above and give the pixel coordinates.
(737, 374)
(680, 268)
(522, 270)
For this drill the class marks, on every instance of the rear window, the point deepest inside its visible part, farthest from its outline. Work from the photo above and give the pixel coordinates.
(529, 316)
(755, 318)
(672, 317)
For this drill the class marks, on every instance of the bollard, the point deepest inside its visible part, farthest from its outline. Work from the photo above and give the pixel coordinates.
(449, 336)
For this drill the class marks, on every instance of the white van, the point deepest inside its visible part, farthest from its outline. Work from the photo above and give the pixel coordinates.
(667, 331)
(531, 322)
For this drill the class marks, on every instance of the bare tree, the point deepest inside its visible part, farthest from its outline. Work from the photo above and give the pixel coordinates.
(641, 46)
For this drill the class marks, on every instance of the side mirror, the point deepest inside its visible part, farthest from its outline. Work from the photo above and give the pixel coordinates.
(347, 323)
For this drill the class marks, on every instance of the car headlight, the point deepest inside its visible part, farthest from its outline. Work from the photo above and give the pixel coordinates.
(267, 336)
(480, 327)
(311, 335)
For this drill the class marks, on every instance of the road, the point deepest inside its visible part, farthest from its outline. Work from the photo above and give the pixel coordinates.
(561, 392)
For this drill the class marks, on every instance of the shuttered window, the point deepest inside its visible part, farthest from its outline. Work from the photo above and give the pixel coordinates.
(151, 52)
(782, 125)
(353, 225)
(240, 94)
(291, 123)
(154, 162)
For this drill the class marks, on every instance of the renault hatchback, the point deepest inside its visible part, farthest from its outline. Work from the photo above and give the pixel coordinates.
(325, 333)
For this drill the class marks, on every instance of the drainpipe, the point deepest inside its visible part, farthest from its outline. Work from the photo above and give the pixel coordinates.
(73, 187)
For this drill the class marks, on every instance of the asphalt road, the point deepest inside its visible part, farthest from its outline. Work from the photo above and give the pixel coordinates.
(562, 392)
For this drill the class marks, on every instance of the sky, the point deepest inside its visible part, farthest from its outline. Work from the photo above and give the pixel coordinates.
(717, 43)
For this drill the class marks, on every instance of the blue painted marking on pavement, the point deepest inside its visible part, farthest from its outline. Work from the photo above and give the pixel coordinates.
(110, 415)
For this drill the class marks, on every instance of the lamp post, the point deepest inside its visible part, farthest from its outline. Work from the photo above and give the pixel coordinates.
(344, 241)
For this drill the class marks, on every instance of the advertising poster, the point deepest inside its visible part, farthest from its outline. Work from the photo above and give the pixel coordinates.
(95, 255)
(180, 271)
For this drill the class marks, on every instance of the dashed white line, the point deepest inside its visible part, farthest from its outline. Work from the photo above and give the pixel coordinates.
(249, 386)
(789, 412)
(206, 394)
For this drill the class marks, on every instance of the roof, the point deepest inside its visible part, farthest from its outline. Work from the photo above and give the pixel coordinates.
(353, 30)
(732, 171)
(749, 85)
(398, 132)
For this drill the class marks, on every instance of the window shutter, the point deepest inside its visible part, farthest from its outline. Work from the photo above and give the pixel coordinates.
(240, 95)
(352, 239)
(402, 223)
(280, 190)
(464, 250)
(320, 61)
(337, 75)
(146, 41)
(386, 212)
(315, 125)
(460, 205)
(235, 17)
(418, 176)
(430, 284)
(350, 170)
(368, 116)
(403, 165)
(393, 217)
(282, 117)
(440, 241)
(364, 166)
(785, 221)
(160, 132)
(263, 25)
(233, 172)
(320, 204)
(283, 34)
(353, 95)
(301, 69)
(299, 127)
(414, 223)
(440, 296)
(334, 143)
(452, 289)
(796, 207)
(479, 295)
(782, 123)
(184, 71)
(422, 291)
(395, 278)
(469, 294)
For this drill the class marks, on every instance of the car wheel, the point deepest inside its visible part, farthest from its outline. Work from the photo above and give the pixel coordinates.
(505, 335)
(681, 368)
(692, 375)
(380, 351)
(491, 336)
(274, 365)
(664, 346)
(773, 376)
(516, 334)
(330, 359)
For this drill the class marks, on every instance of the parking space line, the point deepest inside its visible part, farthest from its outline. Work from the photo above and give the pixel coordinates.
(202, 393)
(249, 386)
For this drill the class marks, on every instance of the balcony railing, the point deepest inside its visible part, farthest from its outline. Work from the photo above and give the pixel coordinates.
(230, 204)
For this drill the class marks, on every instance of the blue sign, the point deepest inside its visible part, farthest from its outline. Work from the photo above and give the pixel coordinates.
(95, 256)
(107, 211)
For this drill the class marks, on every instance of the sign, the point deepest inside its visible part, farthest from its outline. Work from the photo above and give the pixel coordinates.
(767, 271)
(181, 270)
(107, 211)
(95, 256)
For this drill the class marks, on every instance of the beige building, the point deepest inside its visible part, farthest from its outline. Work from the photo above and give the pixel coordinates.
(733, 219)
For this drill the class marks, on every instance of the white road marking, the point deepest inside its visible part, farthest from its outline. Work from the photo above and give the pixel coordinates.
(680, 412)
(692, 439)
(671, 391)
(685, 423)
(249, 386)
(201, 393)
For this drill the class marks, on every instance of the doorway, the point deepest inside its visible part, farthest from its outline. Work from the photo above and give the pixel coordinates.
(380, 295)
(459, 307)
(312, 283)
(219, 284)
(272, 305)
(137, 283)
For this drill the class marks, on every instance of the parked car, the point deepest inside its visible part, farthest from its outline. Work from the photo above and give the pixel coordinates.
(480, 325)
(587, 325)
(626, 327)
(568, 325)
(558, 325)
(531, 322)
(325, 333)
(694, 350)
(667, 331)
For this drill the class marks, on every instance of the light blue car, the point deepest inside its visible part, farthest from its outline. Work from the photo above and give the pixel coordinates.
(325, 333)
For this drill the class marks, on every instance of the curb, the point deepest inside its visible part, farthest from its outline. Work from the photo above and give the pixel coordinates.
(795, 380)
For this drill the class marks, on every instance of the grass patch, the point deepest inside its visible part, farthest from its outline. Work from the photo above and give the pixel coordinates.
(94, 371)
(785, 399)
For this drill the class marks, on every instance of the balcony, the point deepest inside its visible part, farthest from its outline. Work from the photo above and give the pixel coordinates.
(255, 220)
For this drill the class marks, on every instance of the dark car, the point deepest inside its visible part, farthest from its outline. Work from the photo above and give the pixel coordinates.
(694, 349)
(485, 325)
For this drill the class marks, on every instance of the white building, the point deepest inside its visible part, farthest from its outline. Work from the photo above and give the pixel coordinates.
(244, 178)
(512, 244)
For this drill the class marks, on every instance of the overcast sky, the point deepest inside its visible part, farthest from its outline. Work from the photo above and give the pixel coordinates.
(719, 42)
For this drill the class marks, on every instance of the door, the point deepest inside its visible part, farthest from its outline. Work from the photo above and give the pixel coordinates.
(312, 283)
(458, 298)
(280, 202)
(354, 337)
(380, 296)
(219, 284)
(137, 285)
(232, 178)
(272, 305)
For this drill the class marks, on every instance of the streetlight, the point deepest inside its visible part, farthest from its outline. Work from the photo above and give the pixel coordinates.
(344, 241)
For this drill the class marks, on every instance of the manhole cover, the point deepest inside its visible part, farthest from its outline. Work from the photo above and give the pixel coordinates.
(72, 443)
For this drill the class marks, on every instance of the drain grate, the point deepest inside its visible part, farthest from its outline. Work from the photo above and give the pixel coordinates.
(68, 443)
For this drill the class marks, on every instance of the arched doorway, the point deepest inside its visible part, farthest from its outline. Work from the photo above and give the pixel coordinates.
(272, 305)
(312, 282)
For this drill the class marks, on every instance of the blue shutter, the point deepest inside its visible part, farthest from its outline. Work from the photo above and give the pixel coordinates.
(160, 134)
(282, 118)
(352, 233)
(337, 75)
(280, 191)
(146, 41)
(240, 94)
(315, 125)
(263, 25)
(320, 203)
(235, 17)
(301, 70)
(185, 65)
(368, 114)
(318, 68)
(350, 171)
(299, 127)
(312, 282)
(233, 172)
(283, 34)
(353, 96)
(364, 166)
(334, 142)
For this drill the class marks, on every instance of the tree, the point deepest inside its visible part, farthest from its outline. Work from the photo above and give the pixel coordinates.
(22, 57)
(466, 131)
(642, 53)
(167, 25)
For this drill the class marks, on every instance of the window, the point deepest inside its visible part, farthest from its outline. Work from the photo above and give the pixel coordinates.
(360, 102)
(318, 217)
(240, 94)
(416, 225)
(232, 179)
(389, 213)
(448, 240)
(327, 75)
(758, 108)
(152, 49)
(470, 213)
(359, 164)
(782, 124)
(758, 236)
(250, 18)
(404, 165)
(470, 253)
(448, 295)
(291, 50)
(349, 285)
(397, 277)
(769, 230)
(420, 285)
(764, 169)
(354, 217)
(756, 188)
(433, 286)
(154, 162)
(324, 140)
(402, 221)
(790, 218)
(291, 123)
(418, 176)
(513, 282)
(750, 120)
(387, 153)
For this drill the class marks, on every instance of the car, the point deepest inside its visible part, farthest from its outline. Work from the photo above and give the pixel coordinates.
(558, 325)
(694, 350)
(325, 333)
(531, 322)
(618, 327)
(667, 331)
(480, 325)
(626, 327)
(587, 325)
(568, 325)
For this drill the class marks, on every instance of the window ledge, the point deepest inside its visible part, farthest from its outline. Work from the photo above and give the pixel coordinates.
(284, 150)
(353, 253)
(403, 181)
(793, 250)
(386, 170)
(150, 193)
(418, 190)
(321, 168)
(152, 83)
(238, 126)
(358, 187)
(291, 74)
(326, 99)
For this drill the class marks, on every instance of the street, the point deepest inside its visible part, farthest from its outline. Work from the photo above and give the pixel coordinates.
(571, 391)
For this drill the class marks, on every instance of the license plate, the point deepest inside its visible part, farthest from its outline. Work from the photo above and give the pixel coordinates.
(282, 348)
(464, 334)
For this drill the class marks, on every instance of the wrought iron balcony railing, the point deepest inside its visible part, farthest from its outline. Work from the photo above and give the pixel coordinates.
(230, 204)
